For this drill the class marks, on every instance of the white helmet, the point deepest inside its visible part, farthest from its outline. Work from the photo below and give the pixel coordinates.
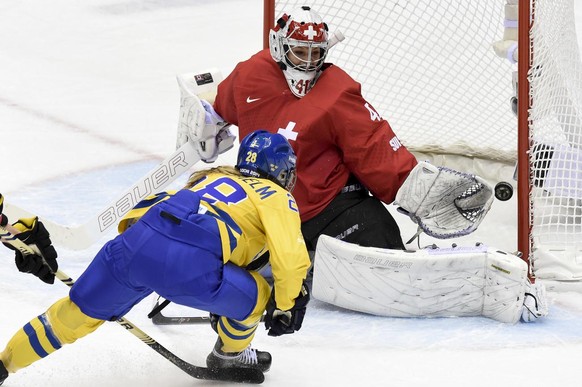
(302, 28)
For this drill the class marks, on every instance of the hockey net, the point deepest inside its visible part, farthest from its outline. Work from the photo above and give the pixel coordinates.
(428, 67)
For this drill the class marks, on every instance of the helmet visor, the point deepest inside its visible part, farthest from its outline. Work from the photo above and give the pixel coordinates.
(305, 56)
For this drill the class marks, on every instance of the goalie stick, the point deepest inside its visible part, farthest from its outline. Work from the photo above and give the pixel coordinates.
(83, 236)
(238, 375)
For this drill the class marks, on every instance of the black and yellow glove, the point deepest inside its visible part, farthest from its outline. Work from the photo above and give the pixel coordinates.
(33, 232)
(3, 218)
(283, 322)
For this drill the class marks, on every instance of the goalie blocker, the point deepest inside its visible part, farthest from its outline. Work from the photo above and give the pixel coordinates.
(198, 122)
(434, 282)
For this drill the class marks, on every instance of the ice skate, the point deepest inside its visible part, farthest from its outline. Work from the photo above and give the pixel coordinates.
(249, 358)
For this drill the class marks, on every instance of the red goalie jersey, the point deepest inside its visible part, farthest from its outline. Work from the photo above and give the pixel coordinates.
(332, 129)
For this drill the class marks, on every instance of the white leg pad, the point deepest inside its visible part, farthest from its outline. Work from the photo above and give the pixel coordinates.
(460, 281)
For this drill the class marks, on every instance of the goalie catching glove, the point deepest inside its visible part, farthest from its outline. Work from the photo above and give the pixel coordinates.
(33, 233)
(281, 322)
(202, 126)
(443, 202)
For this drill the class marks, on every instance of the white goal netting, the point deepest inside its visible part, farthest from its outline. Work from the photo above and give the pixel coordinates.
(428, 68)
(556, 138)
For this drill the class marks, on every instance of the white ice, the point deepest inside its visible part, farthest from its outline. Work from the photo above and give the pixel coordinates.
(89, 102)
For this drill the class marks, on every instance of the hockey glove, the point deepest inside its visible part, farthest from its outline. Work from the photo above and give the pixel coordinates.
(3, 218)
(280, 322)
(33, 232)
(445, 203)
(201, 125)
(214, 138)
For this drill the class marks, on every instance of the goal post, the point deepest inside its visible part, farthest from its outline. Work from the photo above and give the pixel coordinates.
(429, 68)
(524, 212)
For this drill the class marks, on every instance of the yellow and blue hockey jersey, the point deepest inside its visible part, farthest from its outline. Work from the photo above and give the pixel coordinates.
(254, 215)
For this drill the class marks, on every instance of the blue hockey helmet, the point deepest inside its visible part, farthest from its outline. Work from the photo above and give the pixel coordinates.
(268, 155)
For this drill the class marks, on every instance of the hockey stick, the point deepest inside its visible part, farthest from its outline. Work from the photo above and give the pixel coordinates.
(159, 319)
(83, 236)
(238, 375)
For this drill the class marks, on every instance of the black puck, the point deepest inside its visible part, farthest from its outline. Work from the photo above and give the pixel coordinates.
(503, 191)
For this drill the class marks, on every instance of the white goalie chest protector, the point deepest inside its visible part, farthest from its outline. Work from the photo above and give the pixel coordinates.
(434, 282)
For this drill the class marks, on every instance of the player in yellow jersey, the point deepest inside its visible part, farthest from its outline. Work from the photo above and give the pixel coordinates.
(192, 247)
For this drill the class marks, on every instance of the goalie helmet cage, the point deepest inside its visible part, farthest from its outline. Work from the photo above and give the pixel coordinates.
(429, 68)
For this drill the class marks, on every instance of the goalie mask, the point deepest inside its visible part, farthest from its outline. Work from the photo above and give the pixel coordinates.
(268, 155)
(298, 44)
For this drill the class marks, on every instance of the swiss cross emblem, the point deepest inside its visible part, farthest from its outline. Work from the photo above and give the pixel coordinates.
(288, 132)
(310, 32)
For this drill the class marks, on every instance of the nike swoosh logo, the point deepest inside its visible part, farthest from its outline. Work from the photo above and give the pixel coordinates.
(250, 100)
